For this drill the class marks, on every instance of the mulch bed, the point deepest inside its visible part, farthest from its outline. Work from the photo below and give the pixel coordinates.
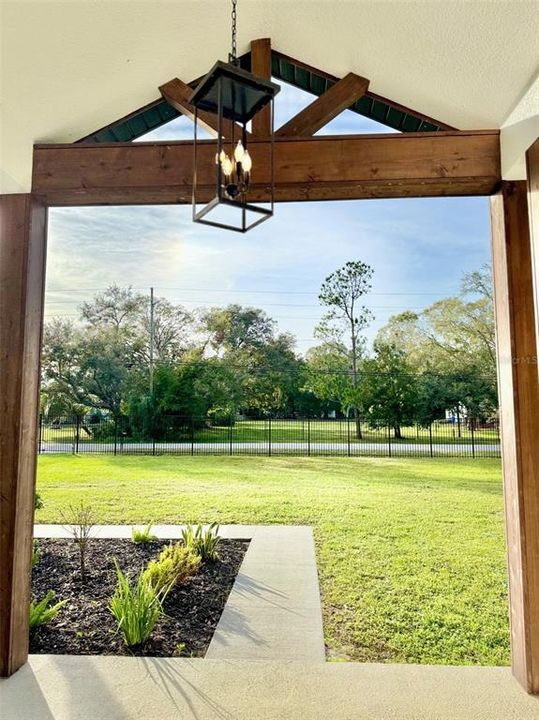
(85, 626)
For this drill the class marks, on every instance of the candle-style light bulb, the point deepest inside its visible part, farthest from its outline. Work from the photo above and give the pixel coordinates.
(222, 156)
(239, 152)
(247, 162)
(227, 166)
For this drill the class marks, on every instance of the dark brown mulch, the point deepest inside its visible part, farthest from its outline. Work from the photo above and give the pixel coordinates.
(85, 626)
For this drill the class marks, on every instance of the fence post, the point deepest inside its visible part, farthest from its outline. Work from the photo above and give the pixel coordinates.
(308, 437)
(115, 434)
(473, 437)
(40, 435)
(153, 445)
(430, 440)
(269, 435)
(192, 436)
(230, 434)
(348, 435)
(77, 435)
(389, 440)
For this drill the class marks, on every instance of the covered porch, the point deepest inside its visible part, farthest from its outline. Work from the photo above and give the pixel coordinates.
(460, 122)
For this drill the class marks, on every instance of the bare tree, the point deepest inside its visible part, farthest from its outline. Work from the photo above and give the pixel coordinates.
(79, 521)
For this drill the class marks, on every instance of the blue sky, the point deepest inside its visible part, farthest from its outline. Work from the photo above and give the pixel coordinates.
(418, 248)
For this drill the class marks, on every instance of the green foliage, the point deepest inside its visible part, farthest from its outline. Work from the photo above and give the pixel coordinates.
(38, 502)
(175, 563)
(389, 389)
(203, 542)
(36, 553)
(144, 536)
(136, 607)
(43, 612)
(451, 345)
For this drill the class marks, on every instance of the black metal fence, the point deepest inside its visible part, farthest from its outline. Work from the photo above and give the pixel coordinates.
(270, 436)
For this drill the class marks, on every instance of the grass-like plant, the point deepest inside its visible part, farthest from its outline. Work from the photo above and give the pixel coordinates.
(144, 536)
(36, 553)
(136, 607)
(42, 612)
(203, 542)
(175, 563)
(79, 521)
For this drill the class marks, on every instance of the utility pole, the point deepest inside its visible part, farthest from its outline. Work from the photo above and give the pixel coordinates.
(152, 330)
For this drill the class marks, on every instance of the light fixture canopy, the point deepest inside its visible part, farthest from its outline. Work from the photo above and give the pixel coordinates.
(234, 96)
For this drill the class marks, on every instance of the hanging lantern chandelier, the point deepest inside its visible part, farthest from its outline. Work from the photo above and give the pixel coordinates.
(234, 96)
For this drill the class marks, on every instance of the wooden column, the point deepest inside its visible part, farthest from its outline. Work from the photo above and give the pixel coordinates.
(532, 167)
(23, 227)
(519, 407)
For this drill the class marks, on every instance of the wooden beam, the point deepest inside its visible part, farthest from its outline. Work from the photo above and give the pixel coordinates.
(261, 66)
(532, 171)
(177, 94)
(23, 228)
(519, 401)
(320, 168)
(340, 96)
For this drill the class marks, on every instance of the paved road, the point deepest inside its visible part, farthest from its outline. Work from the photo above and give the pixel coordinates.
(278, 448)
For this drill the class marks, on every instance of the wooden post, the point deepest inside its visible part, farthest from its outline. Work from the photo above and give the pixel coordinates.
(519, 404)
(23, 228)
(532, 167)
(261, 66)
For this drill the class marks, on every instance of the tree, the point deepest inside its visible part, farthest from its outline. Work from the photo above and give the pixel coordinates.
(106, 361)
(389, 389)
(342, 291)
(328, 375)
(235, 328)
(453, 340)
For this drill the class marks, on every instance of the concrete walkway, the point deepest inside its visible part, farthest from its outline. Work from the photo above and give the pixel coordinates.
(273, 611)
(121, 688)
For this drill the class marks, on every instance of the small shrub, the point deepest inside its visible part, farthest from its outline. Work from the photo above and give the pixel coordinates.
(38, 501)
(79, 521)
(142, 537)
(203, 542)
(175, 563)
(136, 607)
(41, 613)
(36, 553)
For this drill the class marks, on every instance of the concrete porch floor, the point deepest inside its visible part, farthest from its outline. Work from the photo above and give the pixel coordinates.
(119, 688)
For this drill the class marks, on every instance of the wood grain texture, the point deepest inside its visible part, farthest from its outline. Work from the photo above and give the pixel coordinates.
(532, 171)
(23, 227)
(519, 403)
(319, 168)
(261, 66)
(339, 97)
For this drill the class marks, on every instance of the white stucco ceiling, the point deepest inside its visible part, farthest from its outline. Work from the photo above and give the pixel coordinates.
(70, 67)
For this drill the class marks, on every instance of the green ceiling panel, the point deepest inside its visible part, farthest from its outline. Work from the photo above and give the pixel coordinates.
(286, 70)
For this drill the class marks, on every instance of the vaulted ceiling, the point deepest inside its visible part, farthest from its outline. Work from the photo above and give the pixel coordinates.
(70, 68)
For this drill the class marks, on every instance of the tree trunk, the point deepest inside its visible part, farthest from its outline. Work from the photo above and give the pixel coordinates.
(357, 420)
(398, 434)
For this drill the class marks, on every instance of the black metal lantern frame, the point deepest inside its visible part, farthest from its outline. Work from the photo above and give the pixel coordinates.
(235, 95)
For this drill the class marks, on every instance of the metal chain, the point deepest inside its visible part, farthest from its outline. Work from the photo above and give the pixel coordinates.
(233, 55)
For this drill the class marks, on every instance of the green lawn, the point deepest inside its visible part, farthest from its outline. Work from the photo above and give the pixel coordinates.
(411, 553)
